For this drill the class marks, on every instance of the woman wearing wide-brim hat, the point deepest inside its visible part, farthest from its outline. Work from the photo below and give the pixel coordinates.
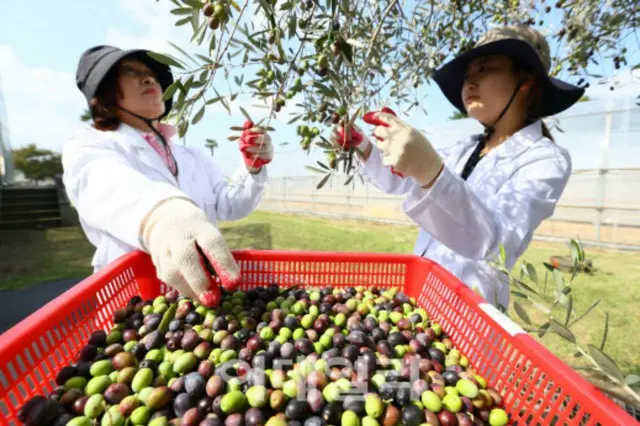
(136, 190)
(487, 190)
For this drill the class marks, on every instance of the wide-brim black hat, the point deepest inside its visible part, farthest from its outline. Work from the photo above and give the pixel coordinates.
(529, 50)
(96, 62)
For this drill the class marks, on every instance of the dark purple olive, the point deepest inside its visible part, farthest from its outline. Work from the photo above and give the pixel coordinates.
(385, 348)
(351, 352)
(215, 406)
(176, 325)
(182, 404)
(304, 346)
(65, 374)
(154, 340)
(437, 355)
(297, 410)
(193, 318)
(98, 338)
(211, 420)
(236, 419)
(339, 340)
(195, 385)
(254, 417)
(332, 413)
(88, 353)
(190, 340)
(450, 378)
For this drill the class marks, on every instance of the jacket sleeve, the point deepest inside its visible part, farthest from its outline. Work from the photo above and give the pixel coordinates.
(474, 227)
(236, 197)
(381, 177)
(107, 193)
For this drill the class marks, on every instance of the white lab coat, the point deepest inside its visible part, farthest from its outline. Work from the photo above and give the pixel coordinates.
(114, 178)
(462, 224)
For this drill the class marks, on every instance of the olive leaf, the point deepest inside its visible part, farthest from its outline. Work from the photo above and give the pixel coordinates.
(324, 166)
(183, 21)
(182, 11)
(315, 169)
(245, 113)
(171, 90)
(605, 333)
(605, 363)
(198, 116)
(632, 380)
(531, 272)
(521, 312)
(503, 255)
(348, 181)
(519, 294)
(543, 329)
(585, 313)
(569, 310)
(323, 181)
(562, 331)
(179, 49)
(558, 279)
(522, 285)
(165, 59)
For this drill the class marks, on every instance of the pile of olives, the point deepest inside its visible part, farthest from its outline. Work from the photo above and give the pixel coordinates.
(270, 357)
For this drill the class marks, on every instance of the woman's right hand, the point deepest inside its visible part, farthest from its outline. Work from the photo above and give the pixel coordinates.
(357, 140)
(175, 234)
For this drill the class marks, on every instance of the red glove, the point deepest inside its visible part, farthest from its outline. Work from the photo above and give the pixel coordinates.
(372, 118)
(256, 147)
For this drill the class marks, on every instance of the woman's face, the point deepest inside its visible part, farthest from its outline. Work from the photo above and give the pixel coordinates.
(489, 84)
(140, 92)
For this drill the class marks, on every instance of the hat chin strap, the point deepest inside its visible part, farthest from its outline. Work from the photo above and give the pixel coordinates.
(149, 123)
(488, 130)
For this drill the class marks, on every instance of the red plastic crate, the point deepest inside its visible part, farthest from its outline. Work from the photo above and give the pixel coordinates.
(538, 388)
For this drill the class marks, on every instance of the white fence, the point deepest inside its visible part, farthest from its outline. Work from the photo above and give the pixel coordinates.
(601, 203)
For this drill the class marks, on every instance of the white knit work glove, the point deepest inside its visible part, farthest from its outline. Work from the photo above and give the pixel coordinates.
(172, 233)
(405, 149)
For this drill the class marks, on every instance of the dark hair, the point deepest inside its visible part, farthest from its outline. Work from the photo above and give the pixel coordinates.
(103, 105)
(535, 94)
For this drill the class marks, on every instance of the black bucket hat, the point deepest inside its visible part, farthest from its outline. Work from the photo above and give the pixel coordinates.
(529, 49)
(96, 62)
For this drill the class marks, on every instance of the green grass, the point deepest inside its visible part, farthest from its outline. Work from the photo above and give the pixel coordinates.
(31, 257)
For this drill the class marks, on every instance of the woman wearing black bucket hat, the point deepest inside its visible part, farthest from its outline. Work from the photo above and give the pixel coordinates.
(135, 190)
(491, 189)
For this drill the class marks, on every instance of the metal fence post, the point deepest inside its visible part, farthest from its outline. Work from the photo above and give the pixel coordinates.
(602, 170)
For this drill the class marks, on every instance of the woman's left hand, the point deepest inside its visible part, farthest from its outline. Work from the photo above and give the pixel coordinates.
(256, 147)
(404, 148)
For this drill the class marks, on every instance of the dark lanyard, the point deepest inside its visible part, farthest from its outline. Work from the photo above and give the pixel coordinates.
(473, 160)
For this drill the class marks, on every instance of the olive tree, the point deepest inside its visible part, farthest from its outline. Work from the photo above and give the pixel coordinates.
(336, 59)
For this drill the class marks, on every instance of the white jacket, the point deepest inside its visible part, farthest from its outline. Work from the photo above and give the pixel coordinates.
(462, 224)
(114, 178)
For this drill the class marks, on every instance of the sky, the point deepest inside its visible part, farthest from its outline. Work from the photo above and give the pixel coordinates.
(39, 50)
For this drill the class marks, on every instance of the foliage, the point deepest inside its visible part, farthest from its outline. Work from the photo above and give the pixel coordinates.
(458, 115)
(551, 298)
(86, 116)
(211, 144)
(37, 164)
(336, 59)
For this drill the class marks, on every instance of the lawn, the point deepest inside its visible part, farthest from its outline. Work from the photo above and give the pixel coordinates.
(30, 257)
